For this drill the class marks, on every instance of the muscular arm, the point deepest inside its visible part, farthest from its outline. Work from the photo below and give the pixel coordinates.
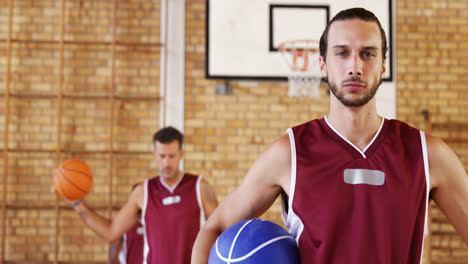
(264, 181)
(208, 198)
(111, 230)
(449, 183)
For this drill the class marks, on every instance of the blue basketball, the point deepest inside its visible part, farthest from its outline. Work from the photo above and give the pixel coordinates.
(255, 241)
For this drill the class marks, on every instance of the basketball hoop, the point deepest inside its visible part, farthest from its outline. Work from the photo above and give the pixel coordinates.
(301, 58)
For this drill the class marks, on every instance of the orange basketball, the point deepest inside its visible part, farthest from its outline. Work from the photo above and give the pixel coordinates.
(73, 179)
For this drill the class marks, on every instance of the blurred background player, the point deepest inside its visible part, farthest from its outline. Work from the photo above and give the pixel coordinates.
(173, 206)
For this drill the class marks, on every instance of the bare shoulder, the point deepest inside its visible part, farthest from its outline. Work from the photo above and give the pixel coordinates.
(279, 151)
(208, 196)
(275, 162)
(443, 162)
(282, 146)
(137, 196)
(449, 184)
(207, 190)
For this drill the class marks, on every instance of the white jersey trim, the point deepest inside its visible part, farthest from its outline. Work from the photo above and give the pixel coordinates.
(123, 250)
(428, 186)
(292, 221)
(200, 204)
(171, 189)
(363, 152)
(143, 212)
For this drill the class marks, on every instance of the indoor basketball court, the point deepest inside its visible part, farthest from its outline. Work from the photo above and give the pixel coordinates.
(91, 81)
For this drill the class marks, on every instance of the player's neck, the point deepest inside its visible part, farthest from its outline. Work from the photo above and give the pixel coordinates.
(356, 124)
(173, 180)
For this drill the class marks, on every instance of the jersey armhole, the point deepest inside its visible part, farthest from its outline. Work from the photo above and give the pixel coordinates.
(428, 186)
(143, 213)
(145, 201)
(287, 200)
(427, 177)
(291, 219)
(200, 203)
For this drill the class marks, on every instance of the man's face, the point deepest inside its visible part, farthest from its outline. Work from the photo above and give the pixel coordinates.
(167, 157)
(354, 65)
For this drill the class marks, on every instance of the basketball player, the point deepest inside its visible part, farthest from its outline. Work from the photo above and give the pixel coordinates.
(129, 249)
(356, 185)
(173, 206)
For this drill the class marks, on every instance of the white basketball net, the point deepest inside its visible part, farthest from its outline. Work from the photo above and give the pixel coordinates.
(301, 58)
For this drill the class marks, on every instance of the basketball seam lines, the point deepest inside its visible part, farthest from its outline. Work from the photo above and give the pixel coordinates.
(235, 238)
(251, 252)
(68, 180)
(87, 174)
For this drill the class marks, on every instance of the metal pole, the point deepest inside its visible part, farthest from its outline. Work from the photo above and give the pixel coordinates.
(111, 112)
(59, 129)
(164, 53)
(7, 122)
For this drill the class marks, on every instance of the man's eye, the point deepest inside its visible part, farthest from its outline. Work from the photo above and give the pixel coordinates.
(342, 53)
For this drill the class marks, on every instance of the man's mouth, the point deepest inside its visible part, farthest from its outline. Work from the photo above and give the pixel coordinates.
(353, 86)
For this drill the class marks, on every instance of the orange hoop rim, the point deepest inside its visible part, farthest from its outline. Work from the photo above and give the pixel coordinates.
(299, 49)
(283, 48)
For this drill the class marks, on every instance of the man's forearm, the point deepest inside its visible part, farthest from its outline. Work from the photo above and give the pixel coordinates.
(202, 247)
(99, 224)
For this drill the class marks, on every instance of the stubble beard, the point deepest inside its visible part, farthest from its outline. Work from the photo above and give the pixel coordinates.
(168, 176)
(357, 102)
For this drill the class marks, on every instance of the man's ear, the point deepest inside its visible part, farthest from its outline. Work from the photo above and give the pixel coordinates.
(384, 68)
(323, 66)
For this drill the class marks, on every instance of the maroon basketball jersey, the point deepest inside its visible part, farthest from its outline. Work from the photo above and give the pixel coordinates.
(351, 206)
(132, 245)
(172, 217)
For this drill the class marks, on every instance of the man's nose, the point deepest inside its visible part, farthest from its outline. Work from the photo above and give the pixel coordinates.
(355, 67)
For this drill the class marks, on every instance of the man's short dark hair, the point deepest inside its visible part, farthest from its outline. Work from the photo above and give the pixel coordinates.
(167, 135)
(348, 14)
